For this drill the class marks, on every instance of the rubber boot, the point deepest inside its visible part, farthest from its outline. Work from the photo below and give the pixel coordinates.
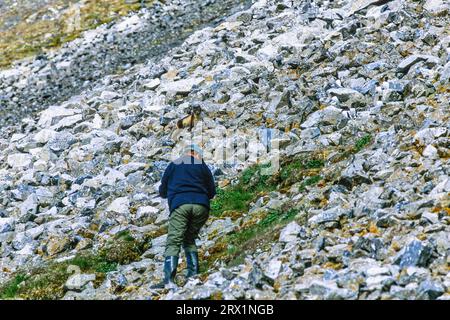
(170, 270)
(192, 263)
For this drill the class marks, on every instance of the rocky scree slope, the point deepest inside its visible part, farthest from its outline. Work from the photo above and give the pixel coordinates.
(31, 27)
(355, 92)
(56, 75)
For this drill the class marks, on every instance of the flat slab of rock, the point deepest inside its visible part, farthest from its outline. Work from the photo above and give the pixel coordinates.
(181, 86)
(408, 62)
(119, 205)
(152, 84)
(19, 160)
(78, 281)
(6, 225)
(359, 5)
(436, 6)
(416, 253)
(290, 232)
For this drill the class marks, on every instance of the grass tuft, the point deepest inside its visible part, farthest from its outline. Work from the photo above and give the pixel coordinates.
(10, 289)
(233, 248)
(47, 283)
(238, 197)
(363, 142)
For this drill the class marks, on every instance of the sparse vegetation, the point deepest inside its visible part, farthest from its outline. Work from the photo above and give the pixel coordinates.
(95, 263)
(47, 282)
(314, 164)
(233, 248)
(31, 37)
(296, 170)
(309, 182)
(124, 235)
(238, 197)
(235, 199)
(10, 289)
(250, 186)
(363, 142)
(253, 182)
(122, 251)
(304, 170)
(264, 228)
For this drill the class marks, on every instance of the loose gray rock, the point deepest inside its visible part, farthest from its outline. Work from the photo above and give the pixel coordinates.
(416, 253)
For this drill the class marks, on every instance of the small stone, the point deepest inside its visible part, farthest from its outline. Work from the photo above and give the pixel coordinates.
(258, 279)
(273, 269)
(408, 62)
(6, 225)
(158, 246)
(147, 212)
(221, 227)
(17, 137)
(354, 175)
(60, 142)
(53, 114)
(128, 121)
(152, 84)
(445, 74)
(44, 135)
(414, 254)
(44, 196)
(330, 215)
(394, 90)
(290, 232)
(77, 282)
(436, 6)
(358, 5)
(57, 245)
(120, 205)
(330, 291)
(431, 217)
(68, 122)
(109, 95)
(350, 97)
(328, 116)
(112, 177)
(117, 281)
(181, 86)
(28, 208)
(379, 282)
(280, 100)
(19, 160)
(430, 152)
(428, 135)
(310, 133)
(377, 271)
(431, 289)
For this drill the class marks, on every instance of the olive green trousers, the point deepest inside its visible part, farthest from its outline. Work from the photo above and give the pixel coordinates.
(185, 223)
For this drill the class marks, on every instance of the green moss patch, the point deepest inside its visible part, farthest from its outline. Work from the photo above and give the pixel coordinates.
(233, 248)
(47, 282)
(253, 181)
(9, 290)
(363, 142)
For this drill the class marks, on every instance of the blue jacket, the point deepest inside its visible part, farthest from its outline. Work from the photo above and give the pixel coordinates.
(187, 180)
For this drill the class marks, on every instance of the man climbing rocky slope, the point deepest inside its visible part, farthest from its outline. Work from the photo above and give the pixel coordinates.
(356, 94)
